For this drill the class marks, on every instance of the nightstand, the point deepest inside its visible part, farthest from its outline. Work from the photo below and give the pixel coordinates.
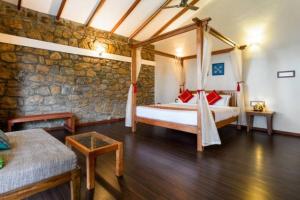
(267, 114)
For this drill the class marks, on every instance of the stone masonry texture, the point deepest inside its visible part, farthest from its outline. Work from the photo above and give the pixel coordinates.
(36, 81)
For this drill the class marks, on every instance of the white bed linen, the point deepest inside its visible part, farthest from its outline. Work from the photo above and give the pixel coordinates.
(184, 116)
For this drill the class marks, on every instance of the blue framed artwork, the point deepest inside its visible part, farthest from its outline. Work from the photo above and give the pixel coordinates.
(218, 69)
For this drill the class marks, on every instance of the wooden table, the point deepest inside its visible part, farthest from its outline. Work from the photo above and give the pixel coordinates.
(67, 116)
(93, 144)
(267, 114)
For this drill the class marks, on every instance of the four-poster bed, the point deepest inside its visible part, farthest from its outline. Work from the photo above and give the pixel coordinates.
(205, 127)
(184, 117)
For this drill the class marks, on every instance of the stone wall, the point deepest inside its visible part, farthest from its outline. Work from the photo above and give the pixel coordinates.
(35, 25)
(34, 81)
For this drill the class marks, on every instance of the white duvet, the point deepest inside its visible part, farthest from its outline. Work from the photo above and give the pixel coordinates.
(184, 116)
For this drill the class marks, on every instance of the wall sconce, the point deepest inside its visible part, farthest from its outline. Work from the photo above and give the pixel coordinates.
(100, 48)
(255, 36)
(179, 52)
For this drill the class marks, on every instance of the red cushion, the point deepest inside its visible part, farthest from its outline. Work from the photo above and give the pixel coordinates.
(213, 97)
(185, 96)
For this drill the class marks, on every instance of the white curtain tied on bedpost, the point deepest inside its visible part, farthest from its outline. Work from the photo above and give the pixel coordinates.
(180, 74)
(237, 66)
(210, 135)
(128, 119)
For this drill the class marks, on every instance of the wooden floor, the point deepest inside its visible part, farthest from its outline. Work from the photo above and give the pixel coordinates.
(163, 164)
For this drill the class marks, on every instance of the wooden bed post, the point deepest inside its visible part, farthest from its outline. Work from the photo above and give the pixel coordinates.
(200, 36)
(134, 85)
(182, 71)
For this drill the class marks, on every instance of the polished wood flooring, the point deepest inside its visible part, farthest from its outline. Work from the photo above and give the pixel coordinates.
(163, 164)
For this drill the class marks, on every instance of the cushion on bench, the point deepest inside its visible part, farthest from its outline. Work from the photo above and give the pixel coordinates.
(4, 141)
(35, 155)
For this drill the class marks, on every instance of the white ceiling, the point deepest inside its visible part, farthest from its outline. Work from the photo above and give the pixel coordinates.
(237, 19)
(270, 23)
(112, 10)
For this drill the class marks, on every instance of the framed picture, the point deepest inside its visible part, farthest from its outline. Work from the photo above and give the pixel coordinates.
(286, 74)
(218, 69)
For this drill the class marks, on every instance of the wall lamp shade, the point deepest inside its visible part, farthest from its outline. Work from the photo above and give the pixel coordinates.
(255, 36)
(179, 52)
(100, 49)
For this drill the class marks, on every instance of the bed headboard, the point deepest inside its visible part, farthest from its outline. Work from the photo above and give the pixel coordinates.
(232, 93)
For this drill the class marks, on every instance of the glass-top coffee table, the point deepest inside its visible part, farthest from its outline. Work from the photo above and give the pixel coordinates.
(93, 144)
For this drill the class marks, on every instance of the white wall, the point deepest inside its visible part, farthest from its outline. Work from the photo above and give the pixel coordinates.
(225, 82)
(274, 26)
(281, 95)
(261, 82)
(166, 83)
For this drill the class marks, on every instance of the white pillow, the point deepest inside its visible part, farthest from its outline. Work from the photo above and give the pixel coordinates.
(191, 101)
(224, 101)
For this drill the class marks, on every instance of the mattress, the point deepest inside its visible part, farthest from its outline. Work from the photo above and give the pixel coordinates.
(35, 155)
(187, 117)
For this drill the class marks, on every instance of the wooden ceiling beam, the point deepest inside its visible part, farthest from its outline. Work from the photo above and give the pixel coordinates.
(61, 8)
(145, 23)
(19, 4)
(172, 33)
(222, 51)
(189, 57)
(128, 12)
(184, 10)
(99, 6)
(221, 37)
(167, 35)
(160, 53)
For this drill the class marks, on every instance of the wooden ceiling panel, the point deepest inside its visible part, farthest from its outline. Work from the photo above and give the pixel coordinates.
(145, 9)
(78, 11)
(105, 20)
(61, 8)
(95, 12)
(164, 16)
(45, 6)
(128, 12)
(179, 14)
(149, 19)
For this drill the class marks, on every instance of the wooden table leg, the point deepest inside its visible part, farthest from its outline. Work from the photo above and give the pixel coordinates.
(75, 185)
(9, 126)
(269, 124)
(70, 124)
(119, 160)
(250, 119)
(90, 172)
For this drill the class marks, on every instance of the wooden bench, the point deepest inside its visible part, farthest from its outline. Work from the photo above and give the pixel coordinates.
(67, 116)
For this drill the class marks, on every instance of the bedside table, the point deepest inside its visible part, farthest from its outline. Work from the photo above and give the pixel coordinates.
(267, 114)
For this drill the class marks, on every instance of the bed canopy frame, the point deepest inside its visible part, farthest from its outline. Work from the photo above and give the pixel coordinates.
(200, 26)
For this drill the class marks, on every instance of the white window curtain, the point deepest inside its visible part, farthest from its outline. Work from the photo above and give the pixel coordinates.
(128, 122)
(210, 135)
(180, 73)
(237, 66)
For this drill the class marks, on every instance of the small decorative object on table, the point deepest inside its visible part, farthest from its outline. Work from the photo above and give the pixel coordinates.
(258, 106)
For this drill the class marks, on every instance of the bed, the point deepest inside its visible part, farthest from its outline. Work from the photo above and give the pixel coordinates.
(183, 117)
